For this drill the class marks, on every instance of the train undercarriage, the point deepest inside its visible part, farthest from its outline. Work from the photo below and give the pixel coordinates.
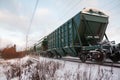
(107, 51)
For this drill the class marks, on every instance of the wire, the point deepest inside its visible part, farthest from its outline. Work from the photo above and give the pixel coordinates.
(109, 4)
(29, 27)
(32, 17)
(115, 7)
(70, 2)
(69, 10)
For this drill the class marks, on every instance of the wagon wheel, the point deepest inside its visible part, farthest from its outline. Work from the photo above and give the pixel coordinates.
(49, 55)
(115, 57)
(83, 57)
(52, 55)
(100, 57)
(58, 56)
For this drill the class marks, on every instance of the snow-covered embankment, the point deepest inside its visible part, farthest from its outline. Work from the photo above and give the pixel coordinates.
(49, 69)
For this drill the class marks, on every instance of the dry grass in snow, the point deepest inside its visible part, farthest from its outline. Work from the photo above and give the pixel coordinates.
(49, 69)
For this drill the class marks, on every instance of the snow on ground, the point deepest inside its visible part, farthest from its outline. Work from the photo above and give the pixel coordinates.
(50, 69)
(81, 71)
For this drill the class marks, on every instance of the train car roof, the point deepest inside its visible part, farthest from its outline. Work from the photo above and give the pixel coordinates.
(94, 11)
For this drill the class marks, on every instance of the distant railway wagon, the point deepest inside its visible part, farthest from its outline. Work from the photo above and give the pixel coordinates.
(81, 36)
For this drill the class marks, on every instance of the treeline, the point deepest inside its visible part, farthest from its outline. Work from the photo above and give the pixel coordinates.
(10, 52)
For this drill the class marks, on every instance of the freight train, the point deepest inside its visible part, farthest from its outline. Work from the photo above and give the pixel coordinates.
(81, 36)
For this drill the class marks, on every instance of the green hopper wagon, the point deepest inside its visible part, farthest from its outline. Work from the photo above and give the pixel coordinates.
(79, 34)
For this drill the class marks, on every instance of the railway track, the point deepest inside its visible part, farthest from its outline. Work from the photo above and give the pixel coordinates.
(106, 63)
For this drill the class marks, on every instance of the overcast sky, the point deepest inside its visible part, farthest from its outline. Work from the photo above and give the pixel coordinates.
(15, 16)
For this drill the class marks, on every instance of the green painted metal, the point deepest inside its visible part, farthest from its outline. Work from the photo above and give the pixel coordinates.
(91, 47)
(78, 33)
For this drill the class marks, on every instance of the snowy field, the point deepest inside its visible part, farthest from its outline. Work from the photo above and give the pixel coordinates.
(48, 69)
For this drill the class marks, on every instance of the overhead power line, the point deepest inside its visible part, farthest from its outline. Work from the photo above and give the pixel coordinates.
(31, 20)
(29, 27)
(114, 7)
(69, 10)
(109, 3)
